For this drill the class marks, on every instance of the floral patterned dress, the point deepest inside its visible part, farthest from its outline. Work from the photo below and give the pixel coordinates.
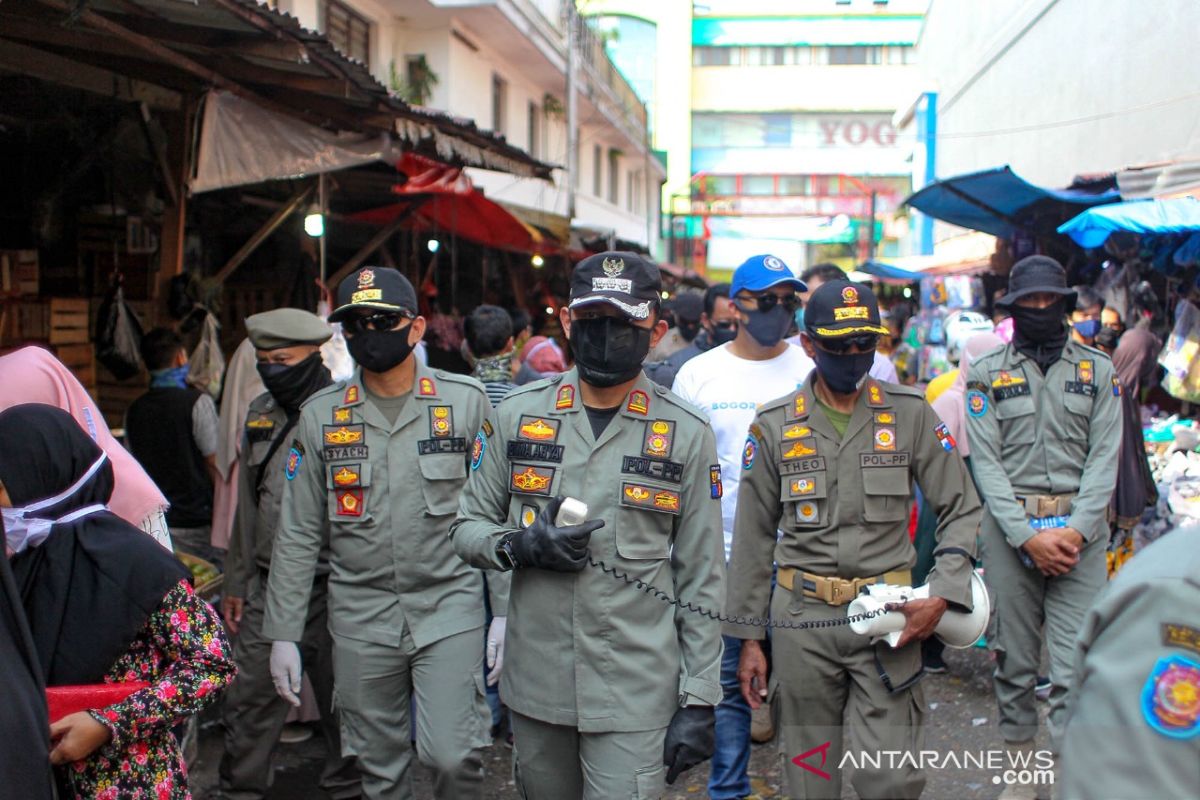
(184, 656)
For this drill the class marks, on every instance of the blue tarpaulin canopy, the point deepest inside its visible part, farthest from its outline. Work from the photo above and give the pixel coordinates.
(1092, 227)
(999, 202)
(888, 272)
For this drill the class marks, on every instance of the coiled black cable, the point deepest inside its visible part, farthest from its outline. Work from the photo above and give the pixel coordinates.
(754, 622)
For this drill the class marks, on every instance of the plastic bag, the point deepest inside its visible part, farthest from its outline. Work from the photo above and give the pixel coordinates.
(118, 336)
(207, 363)
(1181, 355)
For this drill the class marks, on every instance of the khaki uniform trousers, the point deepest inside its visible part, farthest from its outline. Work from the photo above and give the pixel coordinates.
(374, 685)
(1024, 601)
(558, 762)
(253, 714)
(825, 680)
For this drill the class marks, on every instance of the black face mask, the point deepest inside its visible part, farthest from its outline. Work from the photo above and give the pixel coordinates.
(608, 350)
(723, 333)
(380, 351)
(688, 330)
(769, 327)
(843, 373)
(291, 385)
(1039, 324)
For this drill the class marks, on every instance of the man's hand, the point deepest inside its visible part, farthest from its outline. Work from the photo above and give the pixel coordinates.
(752, 673)
(285, 671)
(75, 737)
(495, 649)
(690, 740)
(1052, 553)
(231, 610)
(921, 618)
(1071, 535)
(543, 544)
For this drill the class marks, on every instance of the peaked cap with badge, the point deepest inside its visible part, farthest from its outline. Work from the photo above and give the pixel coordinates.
(841, 308)
(626, 281)
(377, 289)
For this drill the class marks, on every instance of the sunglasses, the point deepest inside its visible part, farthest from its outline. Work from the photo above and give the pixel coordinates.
(379, 321)
(766, 302)
(864, 343)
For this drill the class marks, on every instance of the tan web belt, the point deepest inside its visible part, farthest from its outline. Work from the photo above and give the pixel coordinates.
(838, 591)
(1046, 505)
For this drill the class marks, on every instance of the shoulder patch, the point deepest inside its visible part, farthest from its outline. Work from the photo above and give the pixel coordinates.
(943, 435)
(714, 478)
(1171, 697)
(1116, 386)
(751, 448)
(976, 403)
(477, 450)
(295, 456)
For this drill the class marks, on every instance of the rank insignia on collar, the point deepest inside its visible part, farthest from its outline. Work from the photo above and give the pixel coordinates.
(441, 422)
(349, 502)
(261, 423)
(638, 403)
(1171, 697)
(874, 395)
(801, 448)
(943, 435)
(885, 439)
(796, 431)
(477, 450)
(1116, 387)
(566, 397)
(346, 475)
(344, 434)
(295, 456)
(1006, 378)
(537, 429)
(800, 406)
(1083, 372)
(659, 435)
(885, 417)
(714, 479)
(341, 416)
(426, 387)
(351, 395)
(528, 479)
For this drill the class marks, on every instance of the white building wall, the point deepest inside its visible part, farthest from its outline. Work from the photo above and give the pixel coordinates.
(1061, 87)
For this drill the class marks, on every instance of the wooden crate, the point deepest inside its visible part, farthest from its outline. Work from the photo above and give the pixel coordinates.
(69, 321)
(33, 320)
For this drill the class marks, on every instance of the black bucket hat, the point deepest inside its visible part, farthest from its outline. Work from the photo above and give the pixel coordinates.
(1034, 274)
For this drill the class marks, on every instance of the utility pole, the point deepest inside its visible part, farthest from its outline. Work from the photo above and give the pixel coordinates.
(572, 108)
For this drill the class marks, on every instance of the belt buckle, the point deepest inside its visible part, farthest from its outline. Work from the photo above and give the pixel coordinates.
(838, 587)
(1047, 506)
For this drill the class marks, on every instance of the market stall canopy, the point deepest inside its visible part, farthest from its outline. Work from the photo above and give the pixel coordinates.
(999, 202)
(1093, 227)
(440, 198)
(886, 272)
(168, 54)
(1162, 179)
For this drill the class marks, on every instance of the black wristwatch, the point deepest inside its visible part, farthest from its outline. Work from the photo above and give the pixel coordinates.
(504, 551)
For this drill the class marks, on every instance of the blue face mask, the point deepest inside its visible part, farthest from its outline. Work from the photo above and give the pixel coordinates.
(1087, 328)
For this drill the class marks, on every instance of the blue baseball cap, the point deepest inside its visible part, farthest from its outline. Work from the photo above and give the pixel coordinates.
(758, 273)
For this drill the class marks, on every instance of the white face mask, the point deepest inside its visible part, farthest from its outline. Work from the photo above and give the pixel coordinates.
(22, 528)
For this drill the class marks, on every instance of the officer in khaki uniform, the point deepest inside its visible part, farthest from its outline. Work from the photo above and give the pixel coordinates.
(380, 460)
(605, 683)
(832, 466)
(1133, 720)
(1044, 419)
(286, 341)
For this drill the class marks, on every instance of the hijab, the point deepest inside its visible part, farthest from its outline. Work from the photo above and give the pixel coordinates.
(1135, 361)
(33, 375)
(88, 588)
(950, 405)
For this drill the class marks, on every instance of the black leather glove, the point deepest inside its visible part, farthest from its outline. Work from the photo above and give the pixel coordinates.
(545, 545)
(691, 739)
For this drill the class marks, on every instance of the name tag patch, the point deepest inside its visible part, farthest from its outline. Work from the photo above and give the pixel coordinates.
(1010, 391)
(355, 452)
(531, 451)
(813, 464)
(427, 447)
(649, 497)
(529, 479)
(652, 468)
(1086, 389)
(884, 460)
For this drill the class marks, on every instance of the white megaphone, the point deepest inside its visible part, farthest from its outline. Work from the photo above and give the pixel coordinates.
(957, 629)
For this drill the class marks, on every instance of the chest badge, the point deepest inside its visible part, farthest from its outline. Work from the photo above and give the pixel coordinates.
(885, 418)
(350, 502)
(347, 475)
(537, 429)
(796, 431)
(528, 479)
(659, 435)
(885, 439)
(638, 403)
(807, 512)
(803, 486)
(1084, 372)
(341, 416)
(801, 448)
(261, 423)
(1006, 378)
(441, 422)
(343, 435)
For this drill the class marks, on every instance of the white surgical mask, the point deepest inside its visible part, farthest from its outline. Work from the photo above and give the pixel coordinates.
(22, 528)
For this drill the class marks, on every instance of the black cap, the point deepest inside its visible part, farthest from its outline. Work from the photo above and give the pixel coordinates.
(624, 280)
(689, 306)
(375, 288)
(1034, 274)
(842, 308)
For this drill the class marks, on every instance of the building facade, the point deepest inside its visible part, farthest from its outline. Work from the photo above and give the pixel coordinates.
(503, 63)
(792, 145)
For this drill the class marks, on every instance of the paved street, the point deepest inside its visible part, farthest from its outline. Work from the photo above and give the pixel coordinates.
(958, 701)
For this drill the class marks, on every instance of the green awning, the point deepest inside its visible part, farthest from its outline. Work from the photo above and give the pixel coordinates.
(814, 31)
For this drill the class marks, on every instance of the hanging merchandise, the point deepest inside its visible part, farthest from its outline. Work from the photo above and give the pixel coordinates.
(1181, 355)
(207, 364)
(118, 335)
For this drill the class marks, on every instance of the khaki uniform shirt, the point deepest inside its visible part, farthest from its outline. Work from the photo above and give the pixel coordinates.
(585, 649)
(388, 493)
(842, 503)
(259, 499)
(1051, 434)
(1133, 724)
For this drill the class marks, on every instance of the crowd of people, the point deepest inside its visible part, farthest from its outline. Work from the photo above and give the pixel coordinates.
(447, 556)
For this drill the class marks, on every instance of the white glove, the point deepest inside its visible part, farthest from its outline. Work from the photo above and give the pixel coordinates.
(285, 671)
(495, 649)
